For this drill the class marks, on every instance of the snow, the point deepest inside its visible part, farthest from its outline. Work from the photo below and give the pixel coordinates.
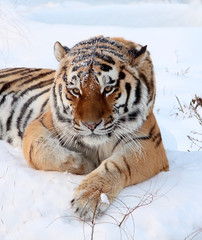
(36, 204)
(104, 198)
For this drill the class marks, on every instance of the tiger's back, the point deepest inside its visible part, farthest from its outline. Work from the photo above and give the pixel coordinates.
(24, 94)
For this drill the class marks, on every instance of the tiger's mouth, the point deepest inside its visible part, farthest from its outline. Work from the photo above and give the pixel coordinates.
(92, 129)
(95, 139)
(94, 133)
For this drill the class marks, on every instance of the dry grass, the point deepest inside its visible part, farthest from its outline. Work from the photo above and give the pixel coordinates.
(192, 110)
(194, 235)
(195, 104)
(12, 28)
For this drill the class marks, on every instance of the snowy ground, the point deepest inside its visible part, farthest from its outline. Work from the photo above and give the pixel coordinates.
(34, 205)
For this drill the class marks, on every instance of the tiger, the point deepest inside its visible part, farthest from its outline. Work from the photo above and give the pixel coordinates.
(93, 116)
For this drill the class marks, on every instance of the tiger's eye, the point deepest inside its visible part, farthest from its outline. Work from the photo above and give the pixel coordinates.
(108, 89)
(76, 91)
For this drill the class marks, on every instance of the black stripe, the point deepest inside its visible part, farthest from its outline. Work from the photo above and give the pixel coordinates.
(159, 140)
(151, 86)
(60, 94)
(85, 64)
(117, 83)
(105, 58)
(30, 70)
(4, 97)
(119, 95)
(144, 79)
(58, 136)
(149, 136)
(105, 67)
(64, 77)
(155, 138)
(9, 70)
(42, 122)
(109, 135)
(137, 92)
(9, 120)
(141, 138)
(138, 139)
(81, 57)
(117, 143)
(128, 167)
(107, 128)
(107, 48)
(18, 97)
(58, 114)
(122, 75)
(151, 132)
(117, 167)
(9, 84)
(78, 52)
(77, 128)
(80, 73)
(12, 73)
(24, 109)
(111, 81)
(118, 107)
(106, 167)
(41, 75)
(72, 80)
(44, 105)
(6, 86)
(132, 139)
(30, 157)
(37, 86)
(116, 54)
(69, 99)
(128, 90)
(133, 115)
(96, 78)
(27, 119)
(97, 40)
(61, 140)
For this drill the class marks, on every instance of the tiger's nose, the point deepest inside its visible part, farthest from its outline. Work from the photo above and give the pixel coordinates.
(91, 125)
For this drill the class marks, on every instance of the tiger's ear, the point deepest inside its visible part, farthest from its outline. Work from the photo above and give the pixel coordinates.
(137, 56)
(60, 51)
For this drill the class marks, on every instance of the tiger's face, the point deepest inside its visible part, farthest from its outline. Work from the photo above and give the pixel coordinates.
(98, 94)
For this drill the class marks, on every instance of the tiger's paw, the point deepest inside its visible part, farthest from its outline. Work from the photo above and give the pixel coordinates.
(75, 163)
(89, 201)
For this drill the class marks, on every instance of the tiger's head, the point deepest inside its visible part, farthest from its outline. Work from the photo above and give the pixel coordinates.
(103, 88)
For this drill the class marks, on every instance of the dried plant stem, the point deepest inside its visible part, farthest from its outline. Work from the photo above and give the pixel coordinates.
(181, 108)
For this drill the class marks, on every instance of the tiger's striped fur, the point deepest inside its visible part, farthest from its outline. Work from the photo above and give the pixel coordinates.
(24, 94)
(93, 115)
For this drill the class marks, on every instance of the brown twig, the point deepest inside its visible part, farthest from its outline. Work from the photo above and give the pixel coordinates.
(181, 108)
(192, 235)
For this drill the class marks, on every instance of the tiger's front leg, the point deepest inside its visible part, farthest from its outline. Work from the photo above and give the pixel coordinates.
(106, 179)
(43, 151)
(110, 178)
(122, 169)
